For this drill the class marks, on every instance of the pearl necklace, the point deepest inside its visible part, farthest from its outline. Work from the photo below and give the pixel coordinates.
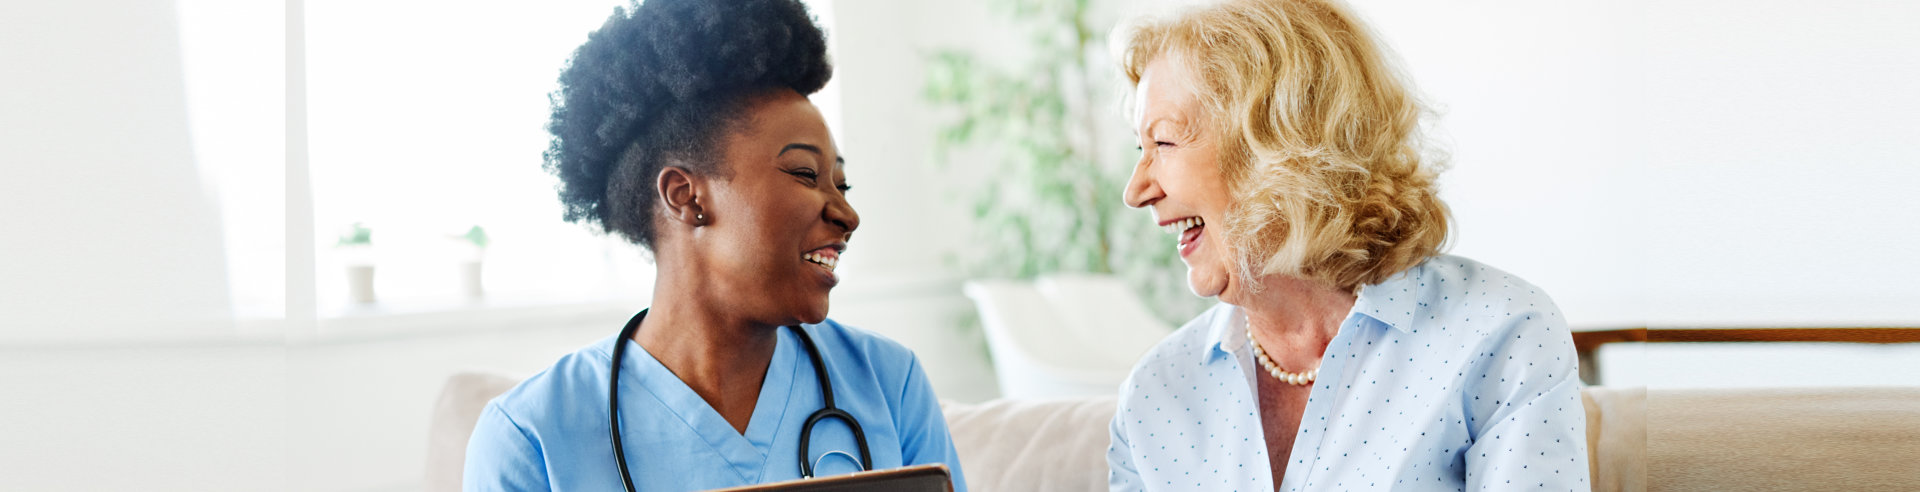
(1293, 378)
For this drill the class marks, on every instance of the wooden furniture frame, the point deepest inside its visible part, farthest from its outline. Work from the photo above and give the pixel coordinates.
(1588, 342)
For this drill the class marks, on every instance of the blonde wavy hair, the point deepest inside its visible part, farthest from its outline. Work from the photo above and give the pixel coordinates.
(1319, 137)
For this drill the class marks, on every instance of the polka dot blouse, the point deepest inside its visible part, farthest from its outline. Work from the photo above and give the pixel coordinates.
(1451, 376)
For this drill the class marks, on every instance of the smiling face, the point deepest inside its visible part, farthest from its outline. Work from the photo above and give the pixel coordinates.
(1178, 175)
(776, 223)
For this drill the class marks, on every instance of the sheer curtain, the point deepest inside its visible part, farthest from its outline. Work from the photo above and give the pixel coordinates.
(233, 57)
(109, 233)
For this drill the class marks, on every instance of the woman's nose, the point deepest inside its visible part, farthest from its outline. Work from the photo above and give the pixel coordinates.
(840, 213)
(1141, 189)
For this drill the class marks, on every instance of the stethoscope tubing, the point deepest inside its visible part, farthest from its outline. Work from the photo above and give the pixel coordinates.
(613, 397)
(827, 410)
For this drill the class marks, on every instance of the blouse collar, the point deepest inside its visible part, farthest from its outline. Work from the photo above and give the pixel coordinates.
(1391, 303)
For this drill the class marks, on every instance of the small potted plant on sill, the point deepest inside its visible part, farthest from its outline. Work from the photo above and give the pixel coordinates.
(356, 252)
(470, 277)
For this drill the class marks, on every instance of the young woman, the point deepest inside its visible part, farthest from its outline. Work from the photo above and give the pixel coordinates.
(684, 127)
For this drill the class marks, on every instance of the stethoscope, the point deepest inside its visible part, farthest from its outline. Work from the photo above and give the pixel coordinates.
(806, 431)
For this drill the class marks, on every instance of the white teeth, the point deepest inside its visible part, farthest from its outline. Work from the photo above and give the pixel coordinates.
(821, 260)
(1182, 225)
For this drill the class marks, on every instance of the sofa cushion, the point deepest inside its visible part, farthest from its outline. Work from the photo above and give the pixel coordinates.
(1784, 439)
(1062, 444)
(1053, 445)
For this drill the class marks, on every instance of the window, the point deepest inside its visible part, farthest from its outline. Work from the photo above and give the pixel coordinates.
(422, 119)
(427, 118)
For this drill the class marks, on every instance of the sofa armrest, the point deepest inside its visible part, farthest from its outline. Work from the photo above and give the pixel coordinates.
(1616, 438)
(454, 414)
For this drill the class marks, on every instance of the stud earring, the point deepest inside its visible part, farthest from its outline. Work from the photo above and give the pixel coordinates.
(700, 217)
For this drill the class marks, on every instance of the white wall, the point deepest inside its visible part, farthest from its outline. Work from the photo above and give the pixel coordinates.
(1784, 135)
(104, 212)
(111, 277)
(1681, 163)
(1699, 163)
(144, 418)
(1759, 365)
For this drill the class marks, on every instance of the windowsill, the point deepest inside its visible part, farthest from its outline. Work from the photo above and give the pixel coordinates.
(417, 318)
(398, 319)
(378, 322)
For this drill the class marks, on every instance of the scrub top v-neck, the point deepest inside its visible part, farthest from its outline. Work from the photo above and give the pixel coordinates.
(550, 433)
(672, 401)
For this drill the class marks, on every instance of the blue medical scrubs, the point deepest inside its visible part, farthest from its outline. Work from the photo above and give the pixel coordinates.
(550, 432)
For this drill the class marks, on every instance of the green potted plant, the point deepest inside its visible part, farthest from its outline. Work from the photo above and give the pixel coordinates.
(355, 250)
(470, 279)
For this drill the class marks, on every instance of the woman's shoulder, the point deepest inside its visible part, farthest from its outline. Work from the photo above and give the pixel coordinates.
(1450, 289)
(519, 433)
(864, 355)
(1457, 277)
(557, 388)
(858, 342)
(1460, 297)
(866, 362)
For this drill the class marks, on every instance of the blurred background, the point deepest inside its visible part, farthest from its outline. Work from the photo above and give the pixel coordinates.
(247, 242)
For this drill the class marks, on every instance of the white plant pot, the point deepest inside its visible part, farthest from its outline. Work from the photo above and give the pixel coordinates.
(470, 279)
(360, 283)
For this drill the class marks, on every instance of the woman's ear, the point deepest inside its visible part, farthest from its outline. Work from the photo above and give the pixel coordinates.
(680, 194)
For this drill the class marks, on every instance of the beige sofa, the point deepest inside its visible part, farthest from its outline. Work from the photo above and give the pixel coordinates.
(1771, 439)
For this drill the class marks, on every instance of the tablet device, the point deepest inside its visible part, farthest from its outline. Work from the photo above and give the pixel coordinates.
(920, 478)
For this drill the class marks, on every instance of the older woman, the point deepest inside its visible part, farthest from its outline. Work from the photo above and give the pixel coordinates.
(684, 127)
(1347, 353)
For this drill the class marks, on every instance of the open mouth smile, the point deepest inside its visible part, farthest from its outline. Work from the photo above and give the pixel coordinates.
(825, 259)
(1188, 230)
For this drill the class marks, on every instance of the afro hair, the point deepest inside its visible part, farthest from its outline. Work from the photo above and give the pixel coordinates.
(660, 83)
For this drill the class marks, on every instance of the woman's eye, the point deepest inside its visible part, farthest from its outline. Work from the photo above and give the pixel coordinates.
(807, 174)
(844, 188)
(1163, 144)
